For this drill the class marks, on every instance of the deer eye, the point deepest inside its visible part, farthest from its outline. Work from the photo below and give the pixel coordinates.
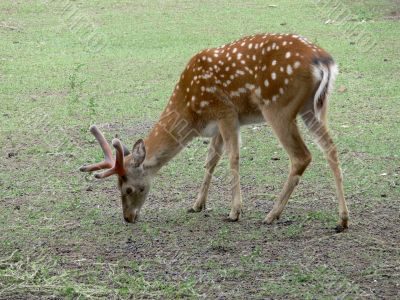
(141, 189)
(128, 190)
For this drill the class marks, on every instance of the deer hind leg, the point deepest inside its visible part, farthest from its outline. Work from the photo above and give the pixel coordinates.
(300, 157)
(320, 131)
(214, 154)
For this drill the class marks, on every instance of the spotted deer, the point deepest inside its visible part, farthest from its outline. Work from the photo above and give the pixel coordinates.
(269, 78)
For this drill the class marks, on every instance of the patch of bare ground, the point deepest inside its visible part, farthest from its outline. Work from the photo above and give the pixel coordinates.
(394, 15)
(238, 259)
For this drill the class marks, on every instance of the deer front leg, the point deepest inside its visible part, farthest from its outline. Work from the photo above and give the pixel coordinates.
(214, 154)
(230, 134)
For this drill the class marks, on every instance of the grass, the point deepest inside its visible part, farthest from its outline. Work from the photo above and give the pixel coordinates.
(61, 232)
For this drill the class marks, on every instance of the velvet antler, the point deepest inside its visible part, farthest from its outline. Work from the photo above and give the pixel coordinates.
(114, 166)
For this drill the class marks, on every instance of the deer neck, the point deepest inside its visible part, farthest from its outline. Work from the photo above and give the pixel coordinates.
(167, 138)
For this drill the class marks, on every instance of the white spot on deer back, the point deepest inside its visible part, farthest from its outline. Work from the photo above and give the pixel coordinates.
(204, 103)
(289, 69)
(250, 86)
(235, 94)
(211, 89)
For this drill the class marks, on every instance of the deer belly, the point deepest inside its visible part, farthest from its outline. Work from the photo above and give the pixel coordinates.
(210, 130)
(251, 119)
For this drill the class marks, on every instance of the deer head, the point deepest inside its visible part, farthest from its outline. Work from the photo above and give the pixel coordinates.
(133, 180)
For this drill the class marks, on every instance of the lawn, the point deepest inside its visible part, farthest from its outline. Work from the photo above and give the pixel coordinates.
(65, 65)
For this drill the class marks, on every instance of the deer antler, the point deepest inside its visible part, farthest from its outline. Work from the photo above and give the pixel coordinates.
(114, 166)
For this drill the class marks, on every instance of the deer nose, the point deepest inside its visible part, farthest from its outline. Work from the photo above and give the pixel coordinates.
(131, 217)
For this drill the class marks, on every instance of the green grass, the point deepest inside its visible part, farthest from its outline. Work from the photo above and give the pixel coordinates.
(61, 231)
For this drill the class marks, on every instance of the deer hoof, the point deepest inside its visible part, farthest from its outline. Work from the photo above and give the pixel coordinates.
(343, 224)
(194, 210)
(341, 227)
(229, 219)
(234, 216)
(270, 218)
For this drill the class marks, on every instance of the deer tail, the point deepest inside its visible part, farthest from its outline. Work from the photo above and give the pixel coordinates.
(324, 74)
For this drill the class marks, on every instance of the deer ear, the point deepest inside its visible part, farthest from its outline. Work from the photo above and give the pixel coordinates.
(138, 153)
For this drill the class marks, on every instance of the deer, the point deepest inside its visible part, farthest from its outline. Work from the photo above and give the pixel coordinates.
(272, 78)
